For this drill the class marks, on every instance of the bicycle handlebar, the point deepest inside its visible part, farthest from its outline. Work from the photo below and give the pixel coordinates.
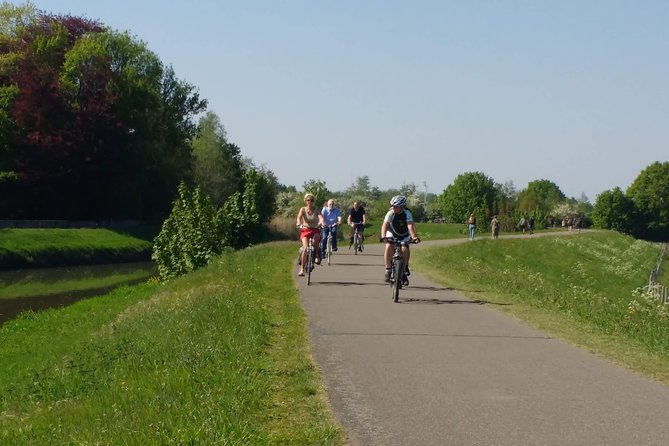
(303, 226)
(395, 240)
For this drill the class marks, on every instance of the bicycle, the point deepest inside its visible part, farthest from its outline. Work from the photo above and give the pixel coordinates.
(328, 245)
(398, 277)
(357, 239)
(310, 260)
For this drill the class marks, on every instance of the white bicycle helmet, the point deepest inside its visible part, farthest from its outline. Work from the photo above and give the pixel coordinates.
(398, 200)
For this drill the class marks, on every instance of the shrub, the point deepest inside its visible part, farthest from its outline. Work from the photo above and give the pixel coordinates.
(190, 236)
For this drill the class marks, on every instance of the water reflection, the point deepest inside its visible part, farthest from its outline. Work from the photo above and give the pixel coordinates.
(39, 289)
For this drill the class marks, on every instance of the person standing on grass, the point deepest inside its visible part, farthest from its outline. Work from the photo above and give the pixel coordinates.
(494, 225)
(472, 225)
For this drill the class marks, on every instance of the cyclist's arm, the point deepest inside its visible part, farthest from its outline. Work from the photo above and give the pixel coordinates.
(298, 222)
(412, 229)
(384, 228)
(364, 219)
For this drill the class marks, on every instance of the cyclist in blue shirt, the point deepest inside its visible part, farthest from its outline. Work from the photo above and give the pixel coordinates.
(398, 223)
(332, 217)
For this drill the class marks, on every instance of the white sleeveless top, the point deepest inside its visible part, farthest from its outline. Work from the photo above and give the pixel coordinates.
(309, 221)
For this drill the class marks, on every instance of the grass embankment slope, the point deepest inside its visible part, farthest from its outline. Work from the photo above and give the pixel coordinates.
(585, 288)
(220, 356)
(30, 248)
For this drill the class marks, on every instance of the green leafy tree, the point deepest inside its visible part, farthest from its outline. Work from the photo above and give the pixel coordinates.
(614, 210)
(319, 190)
(539, 195)
(190, 236)
(650, 194)
(361, 186)
(469, 192)
(91, 121)
(217, 164)
(246, 212)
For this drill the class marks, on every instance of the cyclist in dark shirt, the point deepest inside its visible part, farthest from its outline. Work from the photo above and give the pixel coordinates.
(356, 219)
(398, 223)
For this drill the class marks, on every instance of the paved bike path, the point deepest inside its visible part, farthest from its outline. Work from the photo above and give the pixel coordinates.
(441, 369)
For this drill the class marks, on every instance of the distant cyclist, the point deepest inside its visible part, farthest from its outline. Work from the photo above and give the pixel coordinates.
(332, 217)
(309, 219)
(356, 219)
(398, 223)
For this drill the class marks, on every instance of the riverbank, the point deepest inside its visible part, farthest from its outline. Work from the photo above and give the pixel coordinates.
(50, 247)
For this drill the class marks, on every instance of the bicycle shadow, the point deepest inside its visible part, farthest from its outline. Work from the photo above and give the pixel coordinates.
(435, 301)
(344, 283)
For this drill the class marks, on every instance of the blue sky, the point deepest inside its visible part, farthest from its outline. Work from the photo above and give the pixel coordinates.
(576, 92)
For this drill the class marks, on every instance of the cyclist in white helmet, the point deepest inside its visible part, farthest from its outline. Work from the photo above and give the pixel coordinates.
(398, 223)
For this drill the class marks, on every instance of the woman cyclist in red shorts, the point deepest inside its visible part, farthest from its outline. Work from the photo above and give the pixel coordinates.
(310, 220)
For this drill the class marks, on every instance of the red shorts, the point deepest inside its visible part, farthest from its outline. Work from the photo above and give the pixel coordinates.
(309, 232)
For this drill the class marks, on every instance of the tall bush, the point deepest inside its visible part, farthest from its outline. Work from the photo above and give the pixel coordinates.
(189, 237)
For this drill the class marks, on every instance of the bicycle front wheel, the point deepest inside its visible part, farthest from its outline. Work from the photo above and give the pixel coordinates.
(310, 265)
(398, 267)
(329, 249)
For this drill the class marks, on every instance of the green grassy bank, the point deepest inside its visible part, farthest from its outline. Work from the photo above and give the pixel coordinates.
(31, 248)
(220, 356)
(585, 288)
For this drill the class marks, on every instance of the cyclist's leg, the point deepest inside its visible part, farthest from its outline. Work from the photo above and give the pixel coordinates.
(303, 256)
(333, 234)
(388, 260)
(406, 254)
(323, 245)
(317, 241)
(361, 236)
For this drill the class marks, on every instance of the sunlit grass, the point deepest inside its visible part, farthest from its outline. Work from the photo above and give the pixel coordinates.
(220, 356)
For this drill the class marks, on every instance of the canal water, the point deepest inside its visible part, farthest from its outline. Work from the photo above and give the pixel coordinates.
(39, 289)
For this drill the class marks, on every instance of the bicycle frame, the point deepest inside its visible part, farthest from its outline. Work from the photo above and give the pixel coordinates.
(328, 244)
(310, 259)
(398, 268)
(357, 239)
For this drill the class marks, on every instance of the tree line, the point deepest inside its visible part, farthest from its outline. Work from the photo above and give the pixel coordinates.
(94, 126)
(642, 211)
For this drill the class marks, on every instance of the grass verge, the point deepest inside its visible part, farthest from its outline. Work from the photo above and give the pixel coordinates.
(220, 356)
(30, 248)
(586, 289)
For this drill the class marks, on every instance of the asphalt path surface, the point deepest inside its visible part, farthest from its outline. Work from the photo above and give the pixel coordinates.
(438, 368)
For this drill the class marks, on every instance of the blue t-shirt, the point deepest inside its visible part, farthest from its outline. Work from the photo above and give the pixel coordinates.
(331, 216)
